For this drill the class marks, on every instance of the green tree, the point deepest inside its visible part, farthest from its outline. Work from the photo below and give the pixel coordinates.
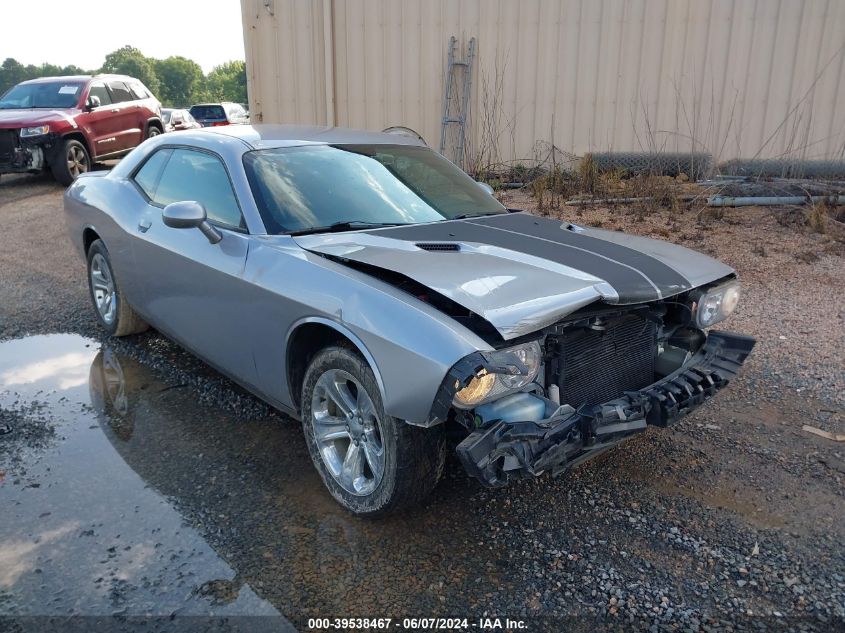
(11, 72)
(177, 81)
(74, 70)
(181, 81)
(227, 82)
(128, 60)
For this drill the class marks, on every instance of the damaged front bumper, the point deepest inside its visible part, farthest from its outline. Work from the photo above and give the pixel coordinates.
(505, 450)
(24, 155)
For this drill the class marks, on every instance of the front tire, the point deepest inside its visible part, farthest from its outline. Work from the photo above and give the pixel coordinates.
(370, 462)
(153, 131)
(71, 160)
(113, 311)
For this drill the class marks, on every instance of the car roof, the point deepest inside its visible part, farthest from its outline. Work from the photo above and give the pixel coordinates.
(267, 135)
(41, 80)
(232, 141)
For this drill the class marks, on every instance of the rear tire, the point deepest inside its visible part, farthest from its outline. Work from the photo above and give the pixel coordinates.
(411, 457)
(71, 160)
(113, 311)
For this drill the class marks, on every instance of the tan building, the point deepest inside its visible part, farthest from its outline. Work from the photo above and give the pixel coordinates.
(738, 78)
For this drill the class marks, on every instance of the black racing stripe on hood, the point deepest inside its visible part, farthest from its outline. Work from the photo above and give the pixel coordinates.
(631, 285)
(663, 276)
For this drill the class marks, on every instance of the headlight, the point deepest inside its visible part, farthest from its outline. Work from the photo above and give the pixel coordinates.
(716, 304)
(510, 370)
(35, 131)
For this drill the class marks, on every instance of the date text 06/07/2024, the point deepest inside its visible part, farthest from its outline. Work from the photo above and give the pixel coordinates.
(416, 624)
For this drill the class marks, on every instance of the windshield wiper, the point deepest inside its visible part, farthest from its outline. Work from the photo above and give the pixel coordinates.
(464, 216)
(346, 225)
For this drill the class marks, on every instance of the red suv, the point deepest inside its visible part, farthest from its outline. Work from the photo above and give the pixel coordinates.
(66, 123)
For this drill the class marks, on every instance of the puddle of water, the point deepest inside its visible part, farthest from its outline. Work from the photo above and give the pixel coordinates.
(220, 514)
(81, 532)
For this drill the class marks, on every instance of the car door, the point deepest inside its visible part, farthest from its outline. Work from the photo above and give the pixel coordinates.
(100, 123)
(194, 290)
(126, 110)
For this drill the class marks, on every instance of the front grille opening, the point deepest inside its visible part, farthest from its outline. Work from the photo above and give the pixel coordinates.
(439, 247)
(7, 145)
(592, 366)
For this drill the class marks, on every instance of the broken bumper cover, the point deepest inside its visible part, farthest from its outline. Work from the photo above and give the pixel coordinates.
(25, 154)
(518, 449)
(23, 160)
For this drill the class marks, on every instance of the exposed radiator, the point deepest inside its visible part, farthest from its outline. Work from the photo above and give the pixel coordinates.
(592, 367)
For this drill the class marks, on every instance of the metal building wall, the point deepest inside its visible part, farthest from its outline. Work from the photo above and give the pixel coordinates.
(740, 78)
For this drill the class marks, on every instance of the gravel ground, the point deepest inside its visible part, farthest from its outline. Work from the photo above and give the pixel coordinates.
(731, 520)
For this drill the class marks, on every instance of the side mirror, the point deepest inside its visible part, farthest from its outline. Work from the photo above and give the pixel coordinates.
(93, 102)
(190, 215)
(486, 187)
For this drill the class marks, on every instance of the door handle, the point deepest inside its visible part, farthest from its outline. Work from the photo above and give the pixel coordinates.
(144, 226)
(115, 109)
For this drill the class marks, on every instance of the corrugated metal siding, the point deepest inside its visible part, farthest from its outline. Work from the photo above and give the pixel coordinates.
(740, 78)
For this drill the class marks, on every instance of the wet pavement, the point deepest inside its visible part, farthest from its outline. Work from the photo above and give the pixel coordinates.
(82, 531)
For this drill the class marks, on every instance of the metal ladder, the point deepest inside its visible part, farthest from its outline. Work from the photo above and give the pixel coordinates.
(449, 116)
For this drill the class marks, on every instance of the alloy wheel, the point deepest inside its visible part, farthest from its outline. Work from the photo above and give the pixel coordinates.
(77, 161)
(348, 432)
(102, 287)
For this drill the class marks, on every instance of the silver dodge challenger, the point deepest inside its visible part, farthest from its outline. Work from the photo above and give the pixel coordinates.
(366, 286)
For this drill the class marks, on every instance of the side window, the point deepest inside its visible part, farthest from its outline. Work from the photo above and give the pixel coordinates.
(137, 90)
(192, 175)
(147, 177)
(98, 89)
(120, 92)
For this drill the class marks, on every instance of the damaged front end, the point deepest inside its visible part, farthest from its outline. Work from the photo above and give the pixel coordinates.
(20, 154)
(604, 378)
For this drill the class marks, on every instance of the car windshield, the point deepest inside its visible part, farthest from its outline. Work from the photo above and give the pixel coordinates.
(208, 112)
(165, 115)
(301, 188)
(54, 94)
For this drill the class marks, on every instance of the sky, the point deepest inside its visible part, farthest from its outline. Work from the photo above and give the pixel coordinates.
(82, 32)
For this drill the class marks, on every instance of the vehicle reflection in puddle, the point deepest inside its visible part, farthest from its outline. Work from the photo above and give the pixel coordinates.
(80, 532)
(200, 479)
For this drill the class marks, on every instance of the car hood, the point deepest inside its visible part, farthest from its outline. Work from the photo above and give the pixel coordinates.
(26, 117)
(521, 272)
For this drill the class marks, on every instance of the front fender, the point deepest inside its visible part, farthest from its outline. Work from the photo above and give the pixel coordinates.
(409, 344)
(349, 334)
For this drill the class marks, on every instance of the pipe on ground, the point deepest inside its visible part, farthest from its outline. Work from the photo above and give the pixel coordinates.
(768, 201)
